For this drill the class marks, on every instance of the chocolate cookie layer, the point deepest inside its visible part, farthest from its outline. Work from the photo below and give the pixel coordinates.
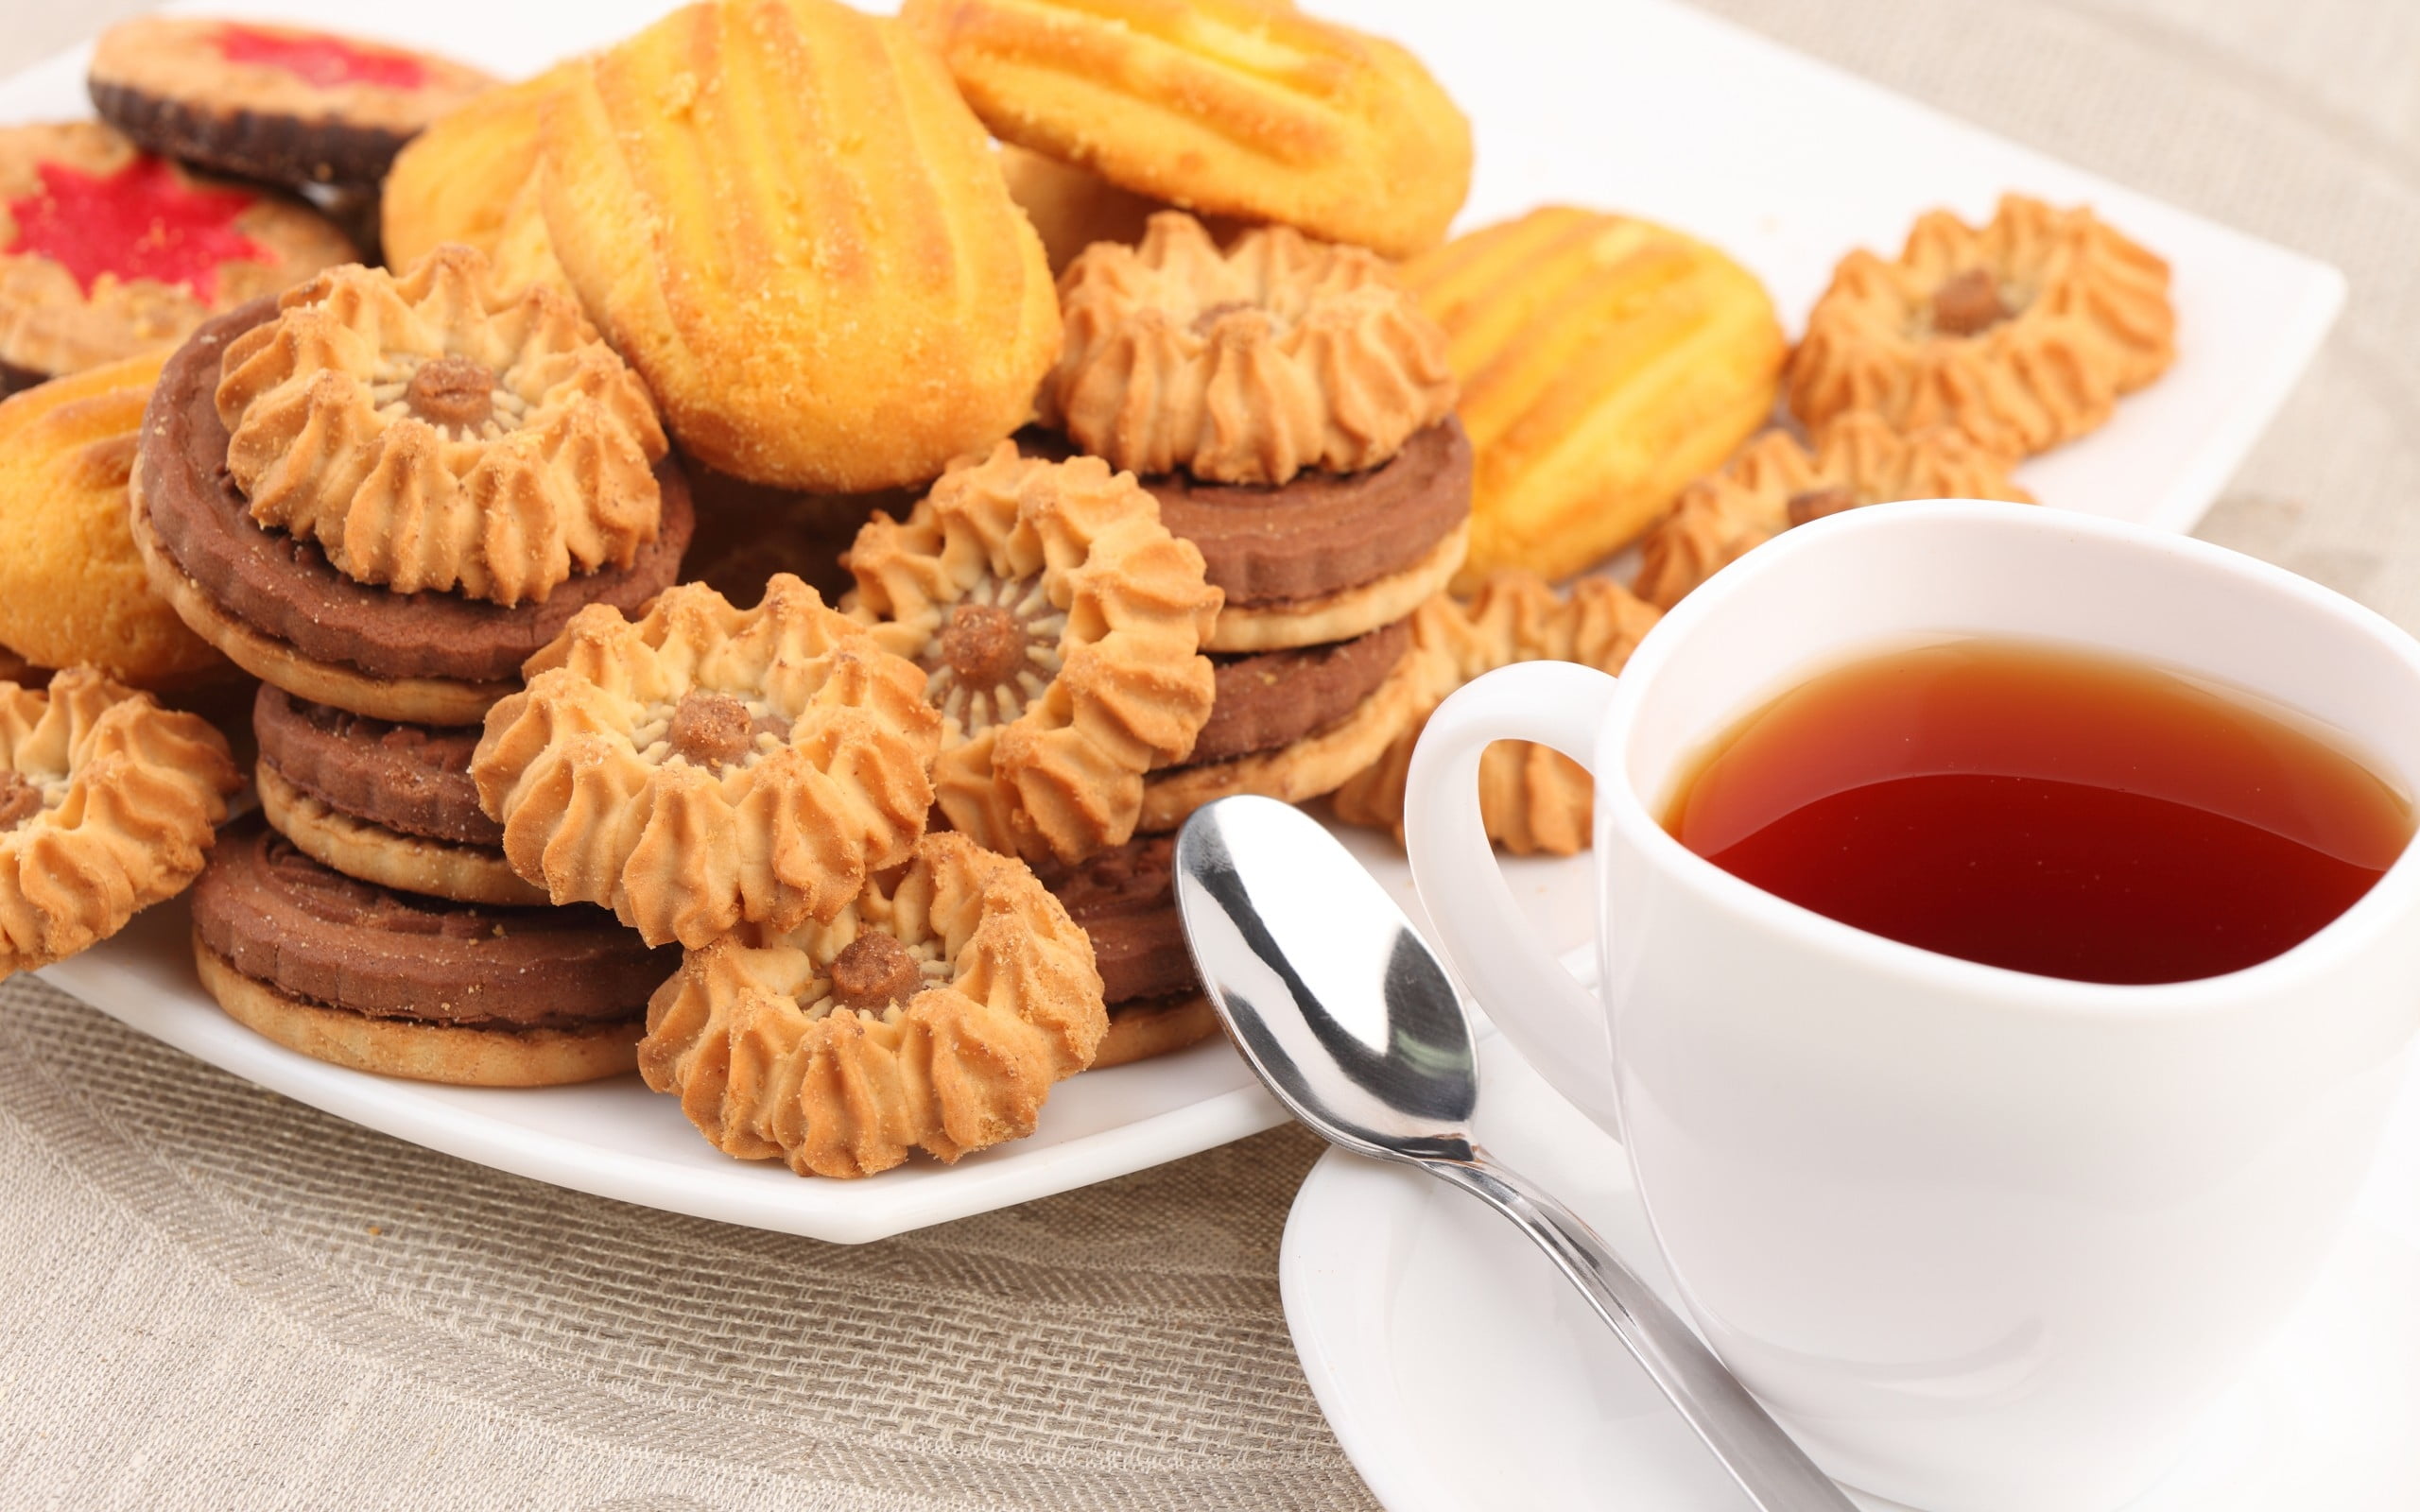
(249, 144)
(1323, 533)
(287, 590)
(281, 918)
(412, 778)
(1274, 698)
(1124, 900)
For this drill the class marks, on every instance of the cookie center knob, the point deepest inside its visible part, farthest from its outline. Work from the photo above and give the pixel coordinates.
(712, 730)
(1968, 303)
(451, 393)
(984, 645)
(20, 801)
(1816, 503)
(873, 972)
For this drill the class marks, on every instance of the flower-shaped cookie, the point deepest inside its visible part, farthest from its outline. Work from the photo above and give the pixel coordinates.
(108, 804)
(1775, 483)
(2021, 333)
(935, 1012)
(432, 433)
(1534, 800)
(705, 764)
(1280, 356)
(1060, 626)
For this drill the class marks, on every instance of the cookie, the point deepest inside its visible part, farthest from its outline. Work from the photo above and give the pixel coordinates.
(748, 533)
(471, 180)
(72, 590)
(1072, 209)
(278, 609)
(407, 986)
(281, 104)
(1124, 901)
(386, 802)
(107, 805)
(1230, 106)
(1059, 625)
(704, 765)
(1276, 356)
(1776, 482)
(934, 1012)
(432, 433)
(783, 215)
(1605, 362)
(2020, 334)
(107, 252)
(1533, 800)
(1322, 759)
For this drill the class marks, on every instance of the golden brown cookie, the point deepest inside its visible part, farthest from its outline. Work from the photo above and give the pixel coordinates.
(280, 610)
(1238, 108)
(1059, 625)
(107, 252)
(471, 179)
(434, 434)
(1605, 362)
(703, 765)
(403, 984)
(72, 589)
(108, 805)
(783, 215)
(1534, 800)
(1775, 483)
(281, 104)
(934, 1011)
(1322, 761)
(1154, 1027)
(1276, 356)
(2020, 332)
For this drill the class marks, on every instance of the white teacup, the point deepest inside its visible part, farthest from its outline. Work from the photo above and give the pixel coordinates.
(1984, 1241)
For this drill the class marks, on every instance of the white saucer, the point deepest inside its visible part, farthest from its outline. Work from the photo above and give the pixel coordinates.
(1460, 1372)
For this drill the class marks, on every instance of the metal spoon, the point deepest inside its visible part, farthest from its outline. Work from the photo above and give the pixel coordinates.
(1352, 1022)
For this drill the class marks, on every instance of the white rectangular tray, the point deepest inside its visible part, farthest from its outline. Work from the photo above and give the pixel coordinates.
(1640, 105)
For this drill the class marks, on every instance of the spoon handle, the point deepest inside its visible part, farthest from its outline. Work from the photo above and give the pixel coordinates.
(1774, 1472)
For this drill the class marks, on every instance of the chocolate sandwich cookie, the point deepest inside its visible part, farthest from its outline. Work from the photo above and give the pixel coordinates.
(279, 608)
(281, 104)
(391, 982)
(386, 802)
(1125, 900)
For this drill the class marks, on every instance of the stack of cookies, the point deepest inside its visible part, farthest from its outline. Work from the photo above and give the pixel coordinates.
(379, 495)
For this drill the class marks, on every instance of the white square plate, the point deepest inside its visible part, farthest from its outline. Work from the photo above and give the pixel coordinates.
(1639, 105)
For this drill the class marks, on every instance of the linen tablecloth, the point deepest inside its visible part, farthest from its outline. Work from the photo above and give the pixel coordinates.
(215, 1297)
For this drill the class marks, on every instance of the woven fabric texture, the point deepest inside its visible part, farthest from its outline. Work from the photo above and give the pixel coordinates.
(220, 1299)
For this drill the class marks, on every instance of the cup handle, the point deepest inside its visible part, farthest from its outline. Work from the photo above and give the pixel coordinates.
(1555, 1022)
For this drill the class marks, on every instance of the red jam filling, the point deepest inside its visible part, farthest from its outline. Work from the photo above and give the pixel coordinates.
(321, 60)
(138, 222)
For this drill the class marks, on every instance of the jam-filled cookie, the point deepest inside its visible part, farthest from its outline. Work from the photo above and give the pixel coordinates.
(108, 804)
(403, 985)
(388, 803)
(282, 104)
(935, 1012)
(2020, 332)
(1605, 362)
(1125, 900)
(1775, 483)
(72, 589)
(783, 213)
(106, 251)
(1058, 624)
(1227, 107)
(1533, 800)
(387, 491)
(704, 765)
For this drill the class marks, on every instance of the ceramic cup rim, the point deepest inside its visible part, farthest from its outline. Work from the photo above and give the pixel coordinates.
(1625, 819)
